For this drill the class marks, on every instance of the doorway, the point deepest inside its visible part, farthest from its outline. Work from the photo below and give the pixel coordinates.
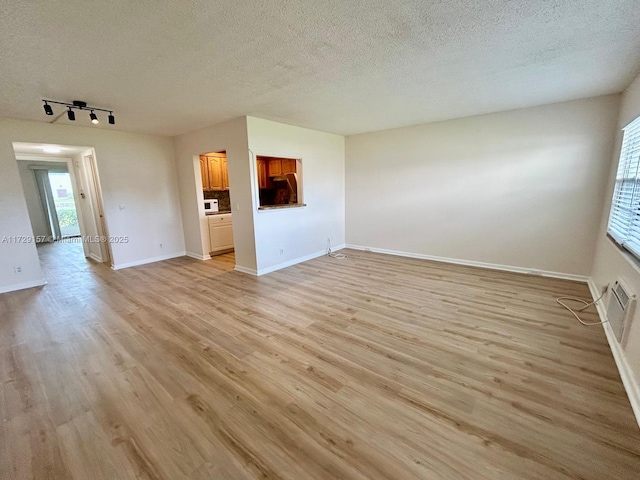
(216, 198)
(57, 198)
(61, 186)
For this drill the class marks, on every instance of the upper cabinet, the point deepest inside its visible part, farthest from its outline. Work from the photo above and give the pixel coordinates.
(280, 166)
(213, 169)
(215, 173)
(275, 168)
(288, 165)
(263, 178)
(225, 174)
(204, 173)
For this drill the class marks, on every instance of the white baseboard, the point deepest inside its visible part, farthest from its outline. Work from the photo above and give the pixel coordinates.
(95, 257)
(148, 260)
(280, 266)
(250, 271)
(472, 263)
(22, 286)
(628, 378)
(197, 256)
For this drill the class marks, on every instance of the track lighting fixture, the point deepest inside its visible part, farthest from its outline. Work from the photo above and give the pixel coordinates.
(78, 105)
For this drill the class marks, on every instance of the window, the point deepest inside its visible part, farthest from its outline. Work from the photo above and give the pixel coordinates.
(624, 219)
(279, 182)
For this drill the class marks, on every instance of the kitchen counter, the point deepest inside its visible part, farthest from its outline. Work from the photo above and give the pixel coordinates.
(223, 212)
(288, 205)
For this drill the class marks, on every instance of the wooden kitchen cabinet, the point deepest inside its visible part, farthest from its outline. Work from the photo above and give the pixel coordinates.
(280, 166)
(262, 174)
(204, 173)
(275, 167)
(220, 233)
(225, 174)
(288, 165)
(215, 173)
(213, 169)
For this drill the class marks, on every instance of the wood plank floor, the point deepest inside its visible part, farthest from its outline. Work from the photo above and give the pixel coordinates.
(372, 367)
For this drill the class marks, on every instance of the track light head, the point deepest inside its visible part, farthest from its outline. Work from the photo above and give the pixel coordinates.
(112, 119)
(94, 118)
(71, 115)
(47, 109)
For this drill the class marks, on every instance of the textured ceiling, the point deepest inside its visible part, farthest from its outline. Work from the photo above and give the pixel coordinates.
(344, 67)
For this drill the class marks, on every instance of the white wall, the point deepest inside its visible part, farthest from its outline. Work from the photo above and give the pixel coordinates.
(517, 188)
(232, 137)
(300, 232)
(610, 262)
(136, 170)
(260, 235)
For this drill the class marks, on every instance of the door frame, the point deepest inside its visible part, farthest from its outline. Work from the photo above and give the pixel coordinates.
(28, 157)
(95, 190)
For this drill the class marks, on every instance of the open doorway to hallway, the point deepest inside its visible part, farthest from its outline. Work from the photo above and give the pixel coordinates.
(61, 186)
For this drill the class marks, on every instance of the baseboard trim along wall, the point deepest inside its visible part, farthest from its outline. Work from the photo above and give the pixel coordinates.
(471, 263)
(628, 379)
(250, 271)
(197, 256)
(120, 266)
(23, 286)
(95, 257)
(280, 266)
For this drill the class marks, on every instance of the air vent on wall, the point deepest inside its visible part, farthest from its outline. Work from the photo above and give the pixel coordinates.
(620, 308)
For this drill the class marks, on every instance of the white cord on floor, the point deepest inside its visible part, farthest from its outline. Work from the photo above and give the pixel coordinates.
(338, 256)
(586, 305)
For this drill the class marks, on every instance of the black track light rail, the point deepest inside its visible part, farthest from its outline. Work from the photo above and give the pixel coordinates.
(78, 105)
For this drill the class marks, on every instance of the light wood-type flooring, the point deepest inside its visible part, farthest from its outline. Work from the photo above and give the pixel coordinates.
(372, 367)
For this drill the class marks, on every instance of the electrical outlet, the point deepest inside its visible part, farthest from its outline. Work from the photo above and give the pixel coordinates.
(282, 251)
(329, 239)
(17, 269)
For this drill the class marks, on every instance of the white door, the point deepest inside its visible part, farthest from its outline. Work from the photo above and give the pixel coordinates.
(98, 209)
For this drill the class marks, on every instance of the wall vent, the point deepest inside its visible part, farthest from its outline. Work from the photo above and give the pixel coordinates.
(620, 308)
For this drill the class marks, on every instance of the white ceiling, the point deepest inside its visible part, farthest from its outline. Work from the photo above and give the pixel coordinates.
(347, 67)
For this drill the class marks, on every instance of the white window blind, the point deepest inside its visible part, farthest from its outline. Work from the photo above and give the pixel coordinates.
(624, 218)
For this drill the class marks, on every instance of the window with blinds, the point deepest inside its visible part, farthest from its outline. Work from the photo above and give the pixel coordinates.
(624, 219)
